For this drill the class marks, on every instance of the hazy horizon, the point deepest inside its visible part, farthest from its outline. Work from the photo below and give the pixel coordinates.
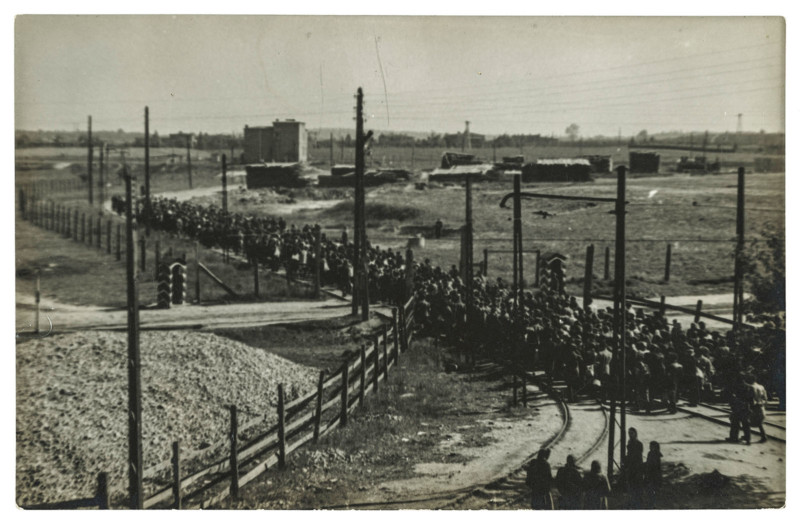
(532, 75)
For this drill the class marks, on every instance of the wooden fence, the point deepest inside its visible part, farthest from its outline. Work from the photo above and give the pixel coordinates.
(300, 421)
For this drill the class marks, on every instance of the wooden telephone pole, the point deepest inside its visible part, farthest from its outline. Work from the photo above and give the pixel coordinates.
(147, 207)
(224, 184)
(89, 163)
(619, 329)
(134, 360)
(360, 270)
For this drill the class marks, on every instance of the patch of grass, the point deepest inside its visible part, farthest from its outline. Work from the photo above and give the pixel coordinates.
(68, 265)
(375, 212)
(320, 344)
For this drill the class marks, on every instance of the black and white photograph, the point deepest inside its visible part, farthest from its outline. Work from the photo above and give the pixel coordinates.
(380, 262)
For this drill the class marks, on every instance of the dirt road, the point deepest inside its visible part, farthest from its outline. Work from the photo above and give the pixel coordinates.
(59, 317)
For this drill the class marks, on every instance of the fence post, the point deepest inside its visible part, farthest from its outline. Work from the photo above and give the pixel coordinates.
(143, 258)
(402, 331)
(362, 379)
(376, 369)
(385, 356)
(395, 336)
(108, 237)
(345, 381)
(318, 409)
(698, 310)
(281, 430)
(485, 262)
(38, 299)
(176, 475)
(608, 258)
(119, 241)
(99, 239)
(102, 490)
(196, 271)
(89, 231)
(75, 226)
(83, 227)
(234, 456)
(668, 262)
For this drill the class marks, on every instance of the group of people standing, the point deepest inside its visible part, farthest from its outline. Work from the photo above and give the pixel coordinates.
(572, 489)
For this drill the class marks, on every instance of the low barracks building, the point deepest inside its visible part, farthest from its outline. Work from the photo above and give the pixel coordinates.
(283, 142)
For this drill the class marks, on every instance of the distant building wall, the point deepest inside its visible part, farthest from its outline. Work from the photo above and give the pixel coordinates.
(257, 143)
(283, 142)
(644, 162)
(291, 141)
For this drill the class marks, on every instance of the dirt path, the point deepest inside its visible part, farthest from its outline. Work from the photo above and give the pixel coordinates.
(59, 317)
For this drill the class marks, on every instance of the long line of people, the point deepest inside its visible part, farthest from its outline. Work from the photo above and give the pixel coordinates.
(548, 330)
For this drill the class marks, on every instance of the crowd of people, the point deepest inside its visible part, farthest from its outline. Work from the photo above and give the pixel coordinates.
(547, 330)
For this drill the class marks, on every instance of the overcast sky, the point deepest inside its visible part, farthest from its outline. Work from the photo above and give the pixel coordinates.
(514, 75)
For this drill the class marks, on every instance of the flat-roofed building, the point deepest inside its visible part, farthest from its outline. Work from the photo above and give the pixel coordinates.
(283, 142)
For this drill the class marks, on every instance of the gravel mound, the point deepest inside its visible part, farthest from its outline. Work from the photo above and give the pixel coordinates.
(72, 403)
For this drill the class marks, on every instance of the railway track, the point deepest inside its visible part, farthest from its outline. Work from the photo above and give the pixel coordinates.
(721, 416)
(509, 491)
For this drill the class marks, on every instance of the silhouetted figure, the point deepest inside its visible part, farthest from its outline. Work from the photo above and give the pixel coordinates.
(540, 480)
(652, 473)
(633, 468)
(570, 485)
(595, 489)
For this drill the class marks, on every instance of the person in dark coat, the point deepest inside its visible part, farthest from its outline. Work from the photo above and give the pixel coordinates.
(595, 489)
(570, 485)
(633, 467)
(540, 480)
(652, 473)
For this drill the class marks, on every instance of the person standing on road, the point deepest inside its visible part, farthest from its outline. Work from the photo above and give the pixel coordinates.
(570, 485)
(595, 489)
(539, 479)
(741, 398)
(633, 467)
(757, 414)
(652, 473)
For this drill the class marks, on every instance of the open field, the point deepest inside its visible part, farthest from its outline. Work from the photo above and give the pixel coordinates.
(697, 215)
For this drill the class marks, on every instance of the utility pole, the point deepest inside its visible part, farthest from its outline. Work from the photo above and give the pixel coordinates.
(738, 295)
(518, 289)
(134, 360)
(189, 157)
(90, 162)
(620, 320)
(468, 270)
(361, 234)
(100, 189)
(224, 184)
(147, 208)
